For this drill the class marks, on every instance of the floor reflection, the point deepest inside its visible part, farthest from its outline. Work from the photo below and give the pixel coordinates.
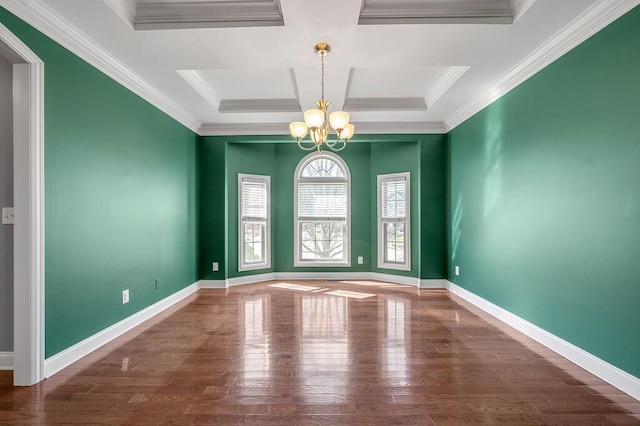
(324, 345)
(255, 323)
(397, 335)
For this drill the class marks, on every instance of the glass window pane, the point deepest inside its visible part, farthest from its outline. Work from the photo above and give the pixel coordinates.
(322, 240)
(323, 167)
(326, 199)
(394, 196)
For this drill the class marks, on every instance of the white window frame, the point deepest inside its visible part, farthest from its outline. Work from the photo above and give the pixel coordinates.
(382, 263)
(242, 264)
(297, 250)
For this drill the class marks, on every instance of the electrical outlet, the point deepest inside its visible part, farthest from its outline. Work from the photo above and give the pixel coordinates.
(360, 260)
(7, 216)
(457, 271)
(215, 267)
(157, 284)
(125, 296)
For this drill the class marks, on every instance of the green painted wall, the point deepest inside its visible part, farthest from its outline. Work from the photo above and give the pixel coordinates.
(367, 156)
(120, 195)
(544, 201)
(255, 159)
(396, 157)
(212, 207)
(433, 214)
(357, 157)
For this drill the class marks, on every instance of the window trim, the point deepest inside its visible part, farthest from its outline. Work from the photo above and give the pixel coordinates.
(297, 178)
(242, 266)
(406, 266)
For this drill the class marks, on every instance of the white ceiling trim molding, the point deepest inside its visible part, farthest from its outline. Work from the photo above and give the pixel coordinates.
(385, 104)
(519, 7)
(444, 83)
(195, 80)
(259, 105)
(428, 127)
(404, 127)
(207, 14)
(239, 129)
(50, 23)
(125, 9)
(393, 12)
(592, 20)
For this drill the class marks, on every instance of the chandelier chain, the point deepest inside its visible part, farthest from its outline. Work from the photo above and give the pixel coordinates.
(322, 79)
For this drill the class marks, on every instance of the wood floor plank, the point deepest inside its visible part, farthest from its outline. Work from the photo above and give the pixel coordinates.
(284, 355)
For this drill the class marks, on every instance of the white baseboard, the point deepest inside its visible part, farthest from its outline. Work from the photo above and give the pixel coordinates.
(212, 284)
(250, 279)
(72, 354)
(596, 366)
(434, 284)
(396, 279)
(6, 360)
(322, 276)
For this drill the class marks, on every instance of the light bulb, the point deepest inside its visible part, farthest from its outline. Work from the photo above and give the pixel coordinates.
(314, 118)
(339, 120)
(298, 129)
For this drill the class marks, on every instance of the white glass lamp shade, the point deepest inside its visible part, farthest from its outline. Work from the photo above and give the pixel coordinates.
(298, 129)
(339, 120)
(314, 118)
(347, 132)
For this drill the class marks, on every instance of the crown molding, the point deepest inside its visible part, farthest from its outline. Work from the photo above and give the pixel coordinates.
(385, 104)
(386, 12)
(49, 22)
(207, 14)
(195, 80)
(519, 7)
(259, 105)
(239, 129)
(592, 20)
(444, 83)
(125, 9)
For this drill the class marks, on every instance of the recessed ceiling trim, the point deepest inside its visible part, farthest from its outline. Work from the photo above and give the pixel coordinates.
(54, 26)
(207, 14)
(367, 128)
(519, 7)
(259, 105)
(125, 9)
(193, 78)
(391, 12)
(444, 83)
(592, 20)
(385, 104)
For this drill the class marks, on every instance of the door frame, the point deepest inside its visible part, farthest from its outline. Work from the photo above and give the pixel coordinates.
(28, 190)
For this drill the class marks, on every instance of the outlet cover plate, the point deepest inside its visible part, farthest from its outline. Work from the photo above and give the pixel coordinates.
(125, 296)
(7, 216)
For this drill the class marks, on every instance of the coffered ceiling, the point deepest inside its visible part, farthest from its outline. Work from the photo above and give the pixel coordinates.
(248, 66)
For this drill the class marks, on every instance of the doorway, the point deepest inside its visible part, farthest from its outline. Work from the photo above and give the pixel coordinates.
(28, 202)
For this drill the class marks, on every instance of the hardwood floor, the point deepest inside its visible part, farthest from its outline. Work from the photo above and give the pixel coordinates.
(320, 353)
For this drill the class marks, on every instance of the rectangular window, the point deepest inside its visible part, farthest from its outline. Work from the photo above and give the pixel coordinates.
(322, 221)
(253, 222)
(393, 222)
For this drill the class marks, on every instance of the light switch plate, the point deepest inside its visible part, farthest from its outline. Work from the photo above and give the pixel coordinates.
(7, 216)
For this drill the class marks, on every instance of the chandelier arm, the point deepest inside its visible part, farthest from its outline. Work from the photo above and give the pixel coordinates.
(337, 145)
(313, 145)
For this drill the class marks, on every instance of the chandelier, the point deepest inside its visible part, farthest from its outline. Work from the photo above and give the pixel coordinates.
(316, 123)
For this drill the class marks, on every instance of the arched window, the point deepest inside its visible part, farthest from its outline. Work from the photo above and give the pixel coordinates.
(322, 211)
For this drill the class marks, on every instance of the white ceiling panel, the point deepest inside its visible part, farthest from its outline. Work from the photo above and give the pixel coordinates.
(233, 79)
